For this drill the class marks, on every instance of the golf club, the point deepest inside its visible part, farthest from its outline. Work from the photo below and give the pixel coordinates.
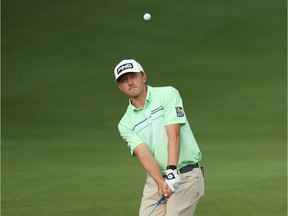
(157, 203)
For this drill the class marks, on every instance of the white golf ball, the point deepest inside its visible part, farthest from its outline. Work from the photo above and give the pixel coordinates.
(147, 16)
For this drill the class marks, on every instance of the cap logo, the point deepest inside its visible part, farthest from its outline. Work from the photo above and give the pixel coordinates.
(124, 67)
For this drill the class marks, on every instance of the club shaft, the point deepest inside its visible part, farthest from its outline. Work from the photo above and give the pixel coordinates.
(158, 203)
(152, 210)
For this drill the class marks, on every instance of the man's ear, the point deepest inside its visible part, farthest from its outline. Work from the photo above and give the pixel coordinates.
(144, 77)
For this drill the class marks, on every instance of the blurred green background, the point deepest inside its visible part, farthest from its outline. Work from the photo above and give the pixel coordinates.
(61, 153)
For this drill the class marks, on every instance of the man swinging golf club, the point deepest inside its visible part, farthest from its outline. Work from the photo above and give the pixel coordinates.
(156, 130)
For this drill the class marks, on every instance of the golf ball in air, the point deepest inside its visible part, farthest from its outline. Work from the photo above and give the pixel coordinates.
(147, 16)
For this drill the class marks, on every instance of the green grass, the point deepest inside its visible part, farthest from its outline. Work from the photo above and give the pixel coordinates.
(61, 153)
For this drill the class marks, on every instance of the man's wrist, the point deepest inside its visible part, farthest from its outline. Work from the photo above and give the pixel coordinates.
(173, 167)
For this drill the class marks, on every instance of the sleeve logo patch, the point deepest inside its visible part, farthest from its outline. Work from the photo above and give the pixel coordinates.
(179, 111)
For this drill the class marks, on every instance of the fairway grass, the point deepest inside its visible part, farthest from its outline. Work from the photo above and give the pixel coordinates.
(61, 153)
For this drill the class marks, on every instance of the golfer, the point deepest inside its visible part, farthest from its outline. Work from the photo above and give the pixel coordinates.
(156, 130)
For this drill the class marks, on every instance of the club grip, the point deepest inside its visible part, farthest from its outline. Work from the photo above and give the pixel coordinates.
(161, 199)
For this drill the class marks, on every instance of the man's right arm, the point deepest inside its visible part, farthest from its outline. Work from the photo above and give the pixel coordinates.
(151, 166)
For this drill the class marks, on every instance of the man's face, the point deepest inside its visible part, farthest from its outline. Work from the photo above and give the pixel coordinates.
(132, 84)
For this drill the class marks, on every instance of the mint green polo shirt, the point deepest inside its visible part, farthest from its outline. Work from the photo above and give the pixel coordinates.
(147, 125)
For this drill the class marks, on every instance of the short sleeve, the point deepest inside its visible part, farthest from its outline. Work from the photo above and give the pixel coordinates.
(173, 108)
(131, 138)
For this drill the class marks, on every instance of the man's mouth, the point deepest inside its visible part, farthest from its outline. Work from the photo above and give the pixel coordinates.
(131, 88)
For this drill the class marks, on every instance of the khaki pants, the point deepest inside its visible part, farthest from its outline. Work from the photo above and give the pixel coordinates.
(182, 203)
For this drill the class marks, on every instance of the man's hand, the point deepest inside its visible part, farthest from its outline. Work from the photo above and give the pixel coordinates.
(163, 189)
(172, 179)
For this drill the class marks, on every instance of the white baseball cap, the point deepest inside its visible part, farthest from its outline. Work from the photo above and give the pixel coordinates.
(127, 66)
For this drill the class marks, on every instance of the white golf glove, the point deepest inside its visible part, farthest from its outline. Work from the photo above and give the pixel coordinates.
(172, 179)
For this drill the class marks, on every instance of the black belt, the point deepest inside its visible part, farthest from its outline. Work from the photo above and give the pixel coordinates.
(187, 168)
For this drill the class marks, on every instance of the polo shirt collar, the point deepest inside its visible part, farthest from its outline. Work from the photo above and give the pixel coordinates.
(148, 99)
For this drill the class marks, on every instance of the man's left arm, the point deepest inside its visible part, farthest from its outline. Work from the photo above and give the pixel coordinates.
(174, 118)
(172, 177)
(173, 133)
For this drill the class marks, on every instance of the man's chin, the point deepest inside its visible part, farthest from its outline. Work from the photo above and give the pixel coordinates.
(133, 94)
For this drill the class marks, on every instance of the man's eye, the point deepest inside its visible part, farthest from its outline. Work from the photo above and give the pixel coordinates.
(121, 80)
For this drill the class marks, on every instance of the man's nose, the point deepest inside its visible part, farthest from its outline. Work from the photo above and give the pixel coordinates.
(129, 80)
